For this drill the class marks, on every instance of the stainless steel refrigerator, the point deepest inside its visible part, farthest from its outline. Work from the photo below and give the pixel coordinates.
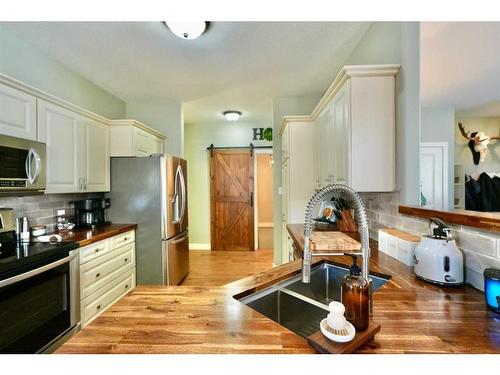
(152, 192)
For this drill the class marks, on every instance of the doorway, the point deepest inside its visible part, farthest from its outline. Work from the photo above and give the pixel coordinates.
(434, 175)
(232, 200)
(263, 210)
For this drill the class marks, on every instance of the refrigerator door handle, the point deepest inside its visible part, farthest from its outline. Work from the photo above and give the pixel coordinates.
(176, 216)
(182, 239)
(183, 195)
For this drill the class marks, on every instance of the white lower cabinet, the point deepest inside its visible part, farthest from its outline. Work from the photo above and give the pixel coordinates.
(107, 272)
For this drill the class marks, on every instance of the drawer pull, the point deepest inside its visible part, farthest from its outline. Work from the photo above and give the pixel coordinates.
(126, 286)
(97, 250)
(98, 307)
(125, 239)
(97, 274)
(126, 260)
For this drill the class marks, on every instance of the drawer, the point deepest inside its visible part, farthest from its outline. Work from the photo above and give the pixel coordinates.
(95, 304)
(87, 253)
(101, 271)
(122, 239)
(406, 249)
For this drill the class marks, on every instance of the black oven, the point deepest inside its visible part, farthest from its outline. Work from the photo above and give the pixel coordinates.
(39, 300)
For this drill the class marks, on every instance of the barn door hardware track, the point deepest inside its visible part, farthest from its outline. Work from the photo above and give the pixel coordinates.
(211, 148)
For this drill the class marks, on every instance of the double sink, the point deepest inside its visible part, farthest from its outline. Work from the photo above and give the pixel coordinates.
(301, 307)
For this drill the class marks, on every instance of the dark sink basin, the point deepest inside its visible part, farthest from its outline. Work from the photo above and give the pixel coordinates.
(301, 307)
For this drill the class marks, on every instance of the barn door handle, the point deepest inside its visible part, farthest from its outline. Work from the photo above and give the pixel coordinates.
(251, 199)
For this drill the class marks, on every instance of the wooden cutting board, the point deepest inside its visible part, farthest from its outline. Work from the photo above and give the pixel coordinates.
(333, 241)
(326, 346)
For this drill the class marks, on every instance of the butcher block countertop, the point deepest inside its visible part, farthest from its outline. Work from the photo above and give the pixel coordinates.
(416, 317)
(86, 237)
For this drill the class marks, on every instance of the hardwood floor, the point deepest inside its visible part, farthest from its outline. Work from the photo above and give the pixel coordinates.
(216, 268)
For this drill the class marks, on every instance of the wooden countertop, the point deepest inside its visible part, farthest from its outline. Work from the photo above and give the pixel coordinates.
(86, 237)
(476, 219)
(416, 317)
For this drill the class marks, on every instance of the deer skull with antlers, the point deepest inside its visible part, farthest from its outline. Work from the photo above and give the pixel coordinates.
(478, 143)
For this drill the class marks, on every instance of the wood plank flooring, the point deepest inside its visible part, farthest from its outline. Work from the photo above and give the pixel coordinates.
(217, 268)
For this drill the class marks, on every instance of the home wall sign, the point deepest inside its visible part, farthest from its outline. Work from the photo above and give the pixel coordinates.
(261, 134)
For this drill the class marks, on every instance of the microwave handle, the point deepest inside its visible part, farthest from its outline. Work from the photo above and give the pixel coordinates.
(37, 271)
(33, 155)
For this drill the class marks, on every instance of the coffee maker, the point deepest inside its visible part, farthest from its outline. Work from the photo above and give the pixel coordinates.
(90, 213)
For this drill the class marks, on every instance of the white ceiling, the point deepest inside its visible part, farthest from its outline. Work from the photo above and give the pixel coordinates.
(460, 66)
(234, 65)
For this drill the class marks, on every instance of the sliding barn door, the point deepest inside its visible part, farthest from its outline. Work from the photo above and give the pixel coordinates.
(231, 200)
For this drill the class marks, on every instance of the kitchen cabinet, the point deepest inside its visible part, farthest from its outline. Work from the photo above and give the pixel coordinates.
(78, 150)
(132, 138)
(297, 174)
(354, 126)
(17, 113)
(107, 272)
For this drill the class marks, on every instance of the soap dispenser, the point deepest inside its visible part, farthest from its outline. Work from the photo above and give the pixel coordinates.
(356, 297)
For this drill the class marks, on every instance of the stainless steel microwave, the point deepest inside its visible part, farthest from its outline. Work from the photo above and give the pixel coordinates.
(22, 166)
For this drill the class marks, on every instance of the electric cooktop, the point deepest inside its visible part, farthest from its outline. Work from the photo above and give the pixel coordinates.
(17, 257)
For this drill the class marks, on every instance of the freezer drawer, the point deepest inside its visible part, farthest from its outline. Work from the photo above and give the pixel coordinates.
(176, 258)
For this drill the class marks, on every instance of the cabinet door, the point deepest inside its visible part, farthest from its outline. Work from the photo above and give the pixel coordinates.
(328, 151)
(142, 145)
(156, 145)
(17, 113)
(95, 156)
(60, 129)
(340, 106)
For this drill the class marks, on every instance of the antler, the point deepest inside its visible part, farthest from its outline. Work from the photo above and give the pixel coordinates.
(464, 133)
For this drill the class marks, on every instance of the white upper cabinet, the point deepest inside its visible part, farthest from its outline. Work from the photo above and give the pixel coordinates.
(132, 138)
(17, 113)
(95, 156)
(60, 129)
(354, 124)
(77, 150)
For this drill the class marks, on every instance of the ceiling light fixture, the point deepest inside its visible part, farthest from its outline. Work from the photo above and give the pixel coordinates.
(187, 30)
(232, 115)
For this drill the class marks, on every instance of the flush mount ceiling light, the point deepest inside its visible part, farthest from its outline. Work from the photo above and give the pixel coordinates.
(187, 30)
(232, 115)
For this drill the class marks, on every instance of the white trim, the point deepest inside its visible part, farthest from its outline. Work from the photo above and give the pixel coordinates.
(289, 119)
(199, 246)
(444, 147)
(137, 124)
(266, 225)
(14, 83)
(256, 224)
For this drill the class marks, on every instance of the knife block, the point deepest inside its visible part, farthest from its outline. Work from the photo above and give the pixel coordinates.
(347, 223)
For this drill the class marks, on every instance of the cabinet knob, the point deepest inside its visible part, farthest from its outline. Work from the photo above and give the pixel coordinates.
(97, 250)
(97, 274)
(126, 259)
(98, 307)
(126, 286)
(125, 238)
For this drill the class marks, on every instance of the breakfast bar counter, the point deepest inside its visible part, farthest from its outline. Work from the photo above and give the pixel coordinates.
(416, 317)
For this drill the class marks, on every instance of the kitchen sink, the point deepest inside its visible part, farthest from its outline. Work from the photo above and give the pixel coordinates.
(301, 307)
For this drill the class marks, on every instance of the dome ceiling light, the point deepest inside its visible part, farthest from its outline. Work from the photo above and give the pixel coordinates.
(232, 115)
(187, 30)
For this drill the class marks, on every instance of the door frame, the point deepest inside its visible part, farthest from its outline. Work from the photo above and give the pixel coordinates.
(256, 194)
(444, 151)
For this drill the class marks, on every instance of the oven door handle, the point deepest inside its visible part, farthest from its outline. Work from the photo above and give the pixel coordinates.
(37, 271)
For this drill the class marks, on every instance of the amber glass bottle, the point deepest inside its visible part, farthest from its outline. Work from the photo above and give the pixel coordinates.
(356, 298)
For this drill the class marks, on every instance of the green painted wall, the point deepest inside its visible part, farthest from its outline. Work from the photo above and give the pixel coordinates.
(285, 106)
(25, 62)
(438, 125)
(197, 138)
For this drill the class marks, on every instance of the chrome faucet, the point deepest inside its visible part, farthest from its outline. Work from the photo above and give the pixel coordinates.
(360, 215)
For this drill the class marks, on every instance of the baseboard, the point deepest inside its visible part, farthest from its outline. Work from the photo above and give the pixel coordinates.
(199, 246)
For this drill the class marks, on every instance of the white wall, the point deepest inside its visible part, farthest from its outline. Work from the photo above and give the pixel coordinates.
(164, 115)
(463, 155)
(438, 125)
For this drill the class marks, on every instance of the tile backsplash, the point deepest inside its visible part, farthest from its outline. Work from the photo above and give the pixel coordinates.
(42, 209)
(481, 248)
